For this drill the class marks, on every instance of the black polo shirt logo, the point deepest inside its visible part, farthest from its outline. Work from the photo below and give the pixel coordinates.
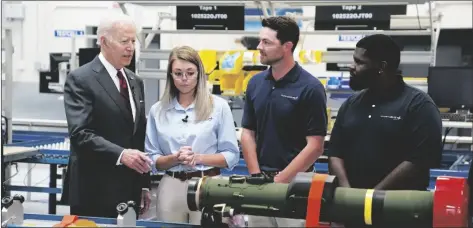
(289, 97)
(391, 117)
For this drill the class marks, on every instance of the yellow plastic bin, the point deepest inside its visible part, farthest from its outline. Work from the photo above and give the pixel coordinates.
(209, 60)
(231, 73)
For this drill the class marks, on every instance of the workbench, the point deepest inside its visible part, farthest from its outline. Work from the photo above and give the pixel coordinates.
(40, 220)
(12, 154)
(31, 154)
(16, 153)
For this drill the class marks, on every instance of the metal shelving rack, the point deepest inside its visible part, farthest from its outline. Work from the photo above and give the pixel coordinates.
(7, 82)
(407, 57)
(7, 100)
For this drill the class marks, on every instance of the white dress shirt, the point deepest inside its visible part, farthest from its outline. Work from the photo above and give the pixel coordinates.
(113, 74)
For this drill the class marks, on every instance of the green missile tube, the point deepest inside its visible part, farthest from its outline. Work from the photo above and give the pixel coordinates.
(263, 198)
(388, 208)
(260, 196)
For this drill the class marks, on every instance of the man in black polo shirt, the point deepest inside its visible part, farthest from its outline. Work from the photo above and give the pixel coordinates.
(285, 119)
(389, 135)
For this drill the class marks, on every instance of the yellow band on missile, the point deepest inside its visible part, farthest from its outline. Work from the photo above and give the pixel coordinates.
(368, 206)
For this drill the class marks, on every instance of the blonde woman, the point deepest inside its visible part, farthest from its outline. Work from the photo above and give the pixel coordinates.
(190, 133)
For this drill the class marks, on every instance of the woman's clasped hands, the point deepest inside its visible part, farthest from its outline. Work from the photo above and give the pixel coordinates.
(186, 156)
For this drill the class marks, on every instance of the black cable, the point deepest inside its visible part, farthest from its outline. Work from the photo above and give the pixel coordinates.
(418, 18)
(447, 130)
(215, 68)
(11, 176)
(3, 139)
(6, 124)
(261, 9)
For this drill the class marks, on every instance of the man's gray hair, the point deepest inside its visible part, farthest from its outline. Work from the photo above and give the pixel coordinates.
(107, 23)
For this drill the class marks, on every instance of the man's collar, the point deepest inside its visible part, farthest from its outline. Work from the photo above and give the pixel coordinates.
(110, 68)
(291, 76)
(393, 92)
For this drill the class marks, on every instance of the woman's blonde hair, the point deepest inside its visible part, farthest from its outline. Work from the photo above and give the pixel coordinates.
(203, 103)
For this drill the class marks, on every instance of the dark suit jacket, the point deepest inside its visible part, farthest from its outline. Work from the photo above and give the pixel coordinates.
(100, 128)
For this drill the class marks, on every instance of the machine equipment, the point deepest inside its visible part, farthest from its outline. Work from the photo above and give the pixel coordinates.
(126, 214)
(318, 199)
(52, 81)
(12, 210)
(452, 87)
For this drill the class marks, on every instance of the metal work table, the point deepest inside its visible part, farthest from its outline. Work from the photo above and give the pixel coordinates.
(15, 153)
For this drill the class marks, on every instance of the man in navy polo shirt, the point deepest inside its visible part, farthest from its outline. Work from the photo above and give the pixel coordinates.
(285, 118)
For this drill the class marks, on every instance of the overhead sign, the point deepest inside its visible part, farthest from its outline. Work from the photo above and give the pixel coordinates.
(356, 16)
(210, 17)
(350, 38)
(68, 33)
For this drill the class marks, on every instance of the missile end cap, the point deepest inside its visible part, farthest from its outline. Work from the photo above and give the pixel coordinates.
(451, 198)
(192, 189)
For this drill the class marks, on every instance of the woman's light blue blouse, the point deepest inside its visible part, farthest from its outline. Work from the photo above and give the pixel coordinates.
(164, 136)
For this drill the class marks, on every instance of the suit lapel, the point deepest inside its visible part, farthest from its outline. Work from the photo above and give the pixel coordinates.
(107, 83)
(136, 93)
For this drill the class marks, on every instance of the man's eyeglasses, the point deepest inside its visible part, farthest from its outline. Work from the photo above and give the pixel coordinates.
(180, 75)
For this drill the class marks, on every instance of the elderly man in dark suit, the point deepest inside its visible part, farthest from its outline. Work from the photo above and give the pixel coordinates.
(105, 112)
